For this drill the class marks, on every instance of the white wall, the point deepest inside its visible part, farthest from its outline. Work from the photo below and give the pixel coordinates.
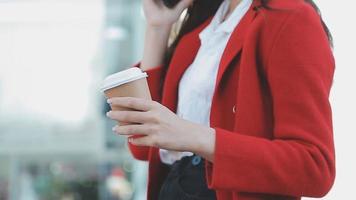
(340, 16)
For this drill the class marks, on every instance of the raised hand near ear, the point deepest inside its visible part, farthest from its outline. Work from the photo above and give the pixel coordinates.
(157, 14)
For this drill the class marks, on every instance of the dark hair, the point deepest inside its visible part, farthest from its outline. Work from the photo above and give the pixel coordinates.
(201, 10)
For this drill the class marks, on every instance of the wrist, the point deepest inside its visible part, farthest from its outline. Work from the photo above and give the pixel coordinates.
(204, 142)
(156, 43)
(159, 30)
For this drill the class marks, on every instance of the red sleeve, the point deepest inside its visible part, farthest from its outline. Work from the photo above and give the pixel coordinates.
(154, 81)
(299, 161)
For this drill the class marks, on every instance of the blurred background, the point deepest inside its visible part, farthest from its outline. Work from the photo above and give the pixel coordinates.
(55, 141)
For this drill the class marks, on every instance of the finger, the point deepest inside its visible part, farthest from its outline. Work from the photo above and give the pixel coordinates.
(129, 116)
(184, 4)
(142, 141)
(136, 129)
(131, 102)
(152, 4)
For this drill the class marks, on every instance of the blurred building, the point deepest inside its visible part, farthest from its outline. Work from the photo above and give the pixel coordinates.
(55, 141)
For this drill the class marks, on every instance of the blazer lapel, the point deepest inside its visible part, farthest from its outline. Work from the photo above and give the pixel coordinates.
(188, 48)
(235, 43)
(184, 55)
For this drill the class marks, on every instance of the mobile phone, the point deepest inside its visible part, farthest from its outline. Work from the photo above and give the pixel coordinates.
(170, 3)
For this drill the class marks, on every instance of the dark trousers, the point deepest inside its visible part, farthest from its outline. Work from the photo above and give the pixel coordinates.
(186, 181)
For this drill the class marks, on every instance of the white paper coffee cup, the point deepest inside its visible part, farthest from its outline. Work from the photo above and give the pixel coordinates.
(128, 83)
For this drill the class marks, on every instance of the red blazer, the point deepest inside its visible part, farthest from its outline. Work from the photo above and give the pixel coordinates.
(270, 109)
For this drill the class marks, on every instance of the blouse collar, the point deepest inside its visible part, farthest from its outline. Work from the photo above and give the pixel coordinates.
(218, 25)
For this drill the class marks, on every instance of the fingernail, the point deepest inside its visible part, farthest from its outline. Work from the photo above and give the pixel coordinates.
(108, 113)
(109, 101)
(115, 128)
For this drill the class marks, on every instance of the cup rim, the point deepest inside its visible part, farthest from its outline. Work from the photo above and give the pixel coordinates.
(109, 84)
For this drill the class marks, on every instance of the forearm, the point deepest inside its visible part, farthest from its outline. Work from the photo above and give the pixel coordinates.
(155, 46)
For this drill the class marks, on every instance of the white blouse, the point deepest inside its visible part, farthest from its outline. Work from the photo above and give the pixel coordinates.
(197, 84)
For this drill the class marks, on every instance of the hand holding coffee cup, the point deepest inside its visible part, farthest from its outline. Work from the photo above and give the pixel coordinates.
(128, 83)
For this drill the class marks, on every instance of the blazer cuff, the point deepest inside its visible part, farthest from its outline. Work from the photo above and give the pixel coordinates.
(154, 80)
(214, 178)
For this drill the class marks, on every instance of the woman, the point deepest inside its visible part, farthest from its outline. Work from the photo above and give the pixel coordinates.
(240, 106)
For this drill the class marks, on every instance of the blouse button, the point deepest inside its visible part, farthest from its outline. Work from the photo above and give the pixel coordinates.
(234, 109)
(196, 160)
